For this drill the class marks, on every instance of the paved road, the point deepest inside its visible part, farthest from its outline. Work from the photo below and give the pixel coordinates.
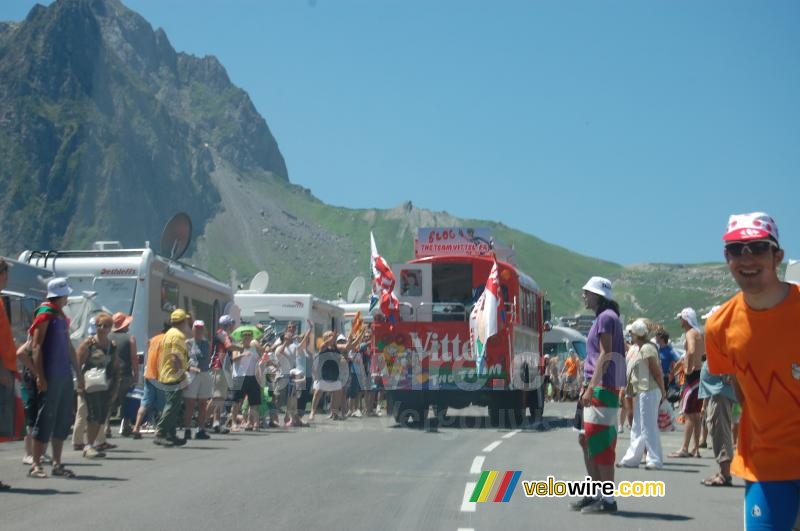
(361, 474)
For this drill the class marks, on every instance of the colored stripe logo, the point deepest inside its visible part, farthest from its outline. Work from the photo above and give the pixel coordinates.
(495, 486)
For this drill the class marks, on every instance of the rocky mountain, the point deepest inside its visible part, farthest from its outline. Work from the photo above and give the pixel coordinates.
(106, 131)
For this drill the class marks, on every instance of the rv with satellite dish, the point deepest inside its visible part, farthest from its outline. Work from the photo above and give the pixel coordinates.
(277, 310)
(138, 282)
(25, 290)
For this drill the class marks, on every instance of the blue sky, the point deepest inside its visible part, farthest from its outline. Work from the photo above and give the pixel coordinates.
(625, 130)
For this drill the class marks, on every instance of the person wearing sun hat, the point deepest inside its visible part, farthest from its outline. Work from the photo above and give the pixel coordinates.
(127, 352)
(598, 405)
(54, 361)
(690, 401)
(646, 383)
(753, 337)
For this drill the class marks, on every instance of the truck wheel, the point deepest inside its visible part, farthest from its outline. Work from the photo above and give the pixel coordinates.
(536, 405)
(515, 409)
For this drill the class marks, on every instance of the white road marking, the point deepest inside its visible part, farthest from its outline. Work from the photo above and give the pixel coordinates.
(509, 435)
(492, 446)
(477, 465)
(466, 505)
(466, 529)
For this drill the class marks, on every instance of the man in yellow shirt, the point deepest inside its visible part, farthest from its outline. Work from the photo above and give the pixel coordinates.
(173, 364)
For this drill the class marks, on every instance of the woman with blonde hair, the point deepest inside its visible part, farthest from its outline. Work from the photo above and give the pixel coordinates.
(98, 361)
(646, 384)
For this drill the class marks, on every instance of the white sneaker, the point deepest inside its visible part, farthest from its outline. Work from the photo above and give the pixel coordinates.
(27, 460)
(620, 429)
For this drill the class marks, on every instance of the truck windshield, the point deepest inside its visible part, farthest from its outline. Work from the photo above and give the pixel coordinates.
(452, 283)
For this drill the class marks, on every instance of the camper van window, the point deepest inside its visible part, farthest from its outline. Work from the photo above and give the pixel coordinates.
(201, 310)
(170, 297)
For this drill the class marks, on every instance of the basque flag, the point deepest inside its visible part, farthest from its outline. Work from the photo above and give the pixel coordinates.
(485, 318)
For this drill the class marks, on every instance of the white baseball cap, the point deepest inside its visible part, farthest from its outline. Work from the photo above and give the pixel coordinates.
(601, 286)
(198, 324)
(58, 287)
(226, 320)
(690, 316)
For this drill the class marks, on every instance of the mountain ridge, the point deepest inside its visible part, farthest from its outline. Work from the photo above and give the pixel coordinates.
(106, 131)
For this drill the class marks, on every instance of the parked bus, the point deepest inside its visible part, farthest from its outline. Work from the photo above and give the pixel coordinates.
(138, 282)
(429, 362)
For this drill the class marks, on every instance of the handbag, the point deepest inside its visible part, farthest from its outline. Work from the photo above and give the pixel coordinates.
(95, 380)
(673, 393)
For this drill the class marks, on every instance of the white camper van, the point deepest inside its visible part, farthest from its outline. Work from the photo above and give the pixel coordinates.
(138, 282)
(279, 309)
(26, 289)
(559, 340)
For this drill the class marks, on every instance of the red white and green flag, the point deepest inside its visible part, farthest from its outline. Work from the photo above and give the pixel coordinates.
(485, 320)
(383, 282)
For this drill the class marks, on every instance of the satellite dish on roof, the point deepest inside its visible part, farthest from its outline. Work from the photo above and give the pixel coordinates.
(176, 236)
(260, 282)
(356, 290)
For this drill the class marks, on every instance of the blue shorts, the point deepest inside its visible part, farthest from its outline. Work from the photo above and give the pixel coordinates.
(771, 505)
(154, 397)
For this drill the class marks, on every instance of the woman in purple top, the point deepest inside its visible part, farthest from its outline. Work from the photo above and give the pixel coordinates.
(604, 376)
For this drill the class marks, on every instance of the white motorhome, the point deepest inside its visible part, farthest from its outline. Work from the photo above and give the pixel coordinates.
(559, 340)
(26, 289)
(279, 309)
(138, 282)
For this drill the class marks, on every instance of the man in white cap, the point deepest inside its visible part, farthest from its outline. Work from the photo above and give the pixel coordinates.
(753, 336)
(54, 361)
(690, 401)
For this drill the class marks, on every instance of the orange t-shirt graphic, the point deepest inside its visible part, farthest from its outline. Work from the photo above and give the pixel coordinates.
(762, 350)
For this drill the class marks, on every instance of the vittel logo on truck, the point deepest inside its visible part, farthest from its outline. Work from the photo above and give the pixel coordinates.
(444, 349)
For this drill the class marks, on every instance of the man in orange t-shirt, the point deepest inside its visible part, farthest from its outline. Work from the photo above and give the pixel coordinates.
(754, 337)
(571, 370)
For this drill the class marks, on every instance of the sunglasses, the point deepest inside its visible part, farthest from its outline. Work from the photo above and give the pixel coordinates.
(104, 326)
(756, 248)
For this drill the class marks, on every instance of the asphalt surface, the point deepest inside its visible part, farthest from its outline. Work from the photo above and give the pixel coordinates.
(360, 474)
